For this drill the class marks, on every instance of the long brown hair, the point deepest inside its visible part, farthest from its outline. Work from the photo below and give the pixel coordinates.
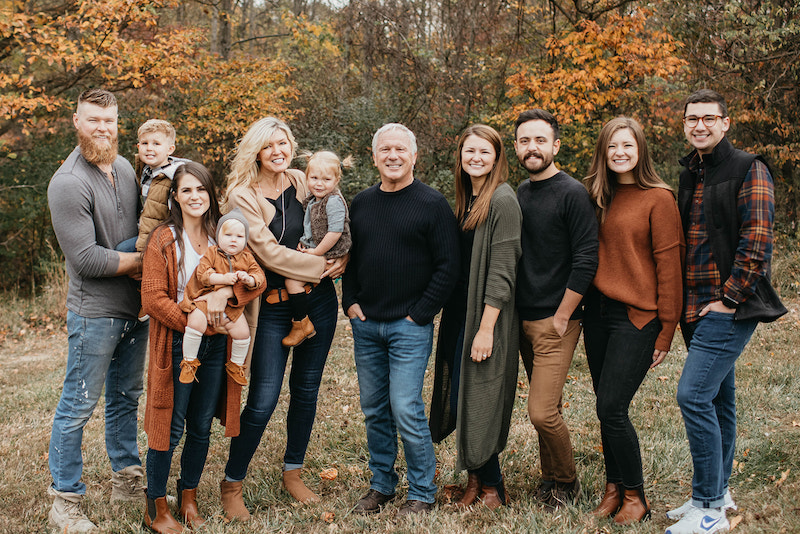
(175, 218)
(602, 183)
(498, 175)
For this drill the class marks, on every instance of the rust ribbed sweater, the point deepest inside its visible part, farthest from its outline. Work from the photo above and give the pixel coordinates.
(640, 257)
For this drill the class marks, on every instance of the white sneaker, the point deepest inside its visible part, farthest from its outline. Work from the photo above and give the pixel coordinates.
(127, 485)
(683, 509)
(66, 515)
(701, 521)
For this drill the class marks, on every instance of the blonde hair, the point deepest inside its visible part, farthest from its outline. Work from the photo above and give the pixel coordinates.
(157, 126)
(245, 165)
(602, 183)
(497, 176)
(328, 162)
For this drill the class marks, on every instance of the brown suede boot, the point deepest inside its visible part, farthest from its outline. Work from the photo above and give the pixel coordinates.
(188, 371)
(634, 508)
(296, 488)
(301, 330)
(491, 498)
(187, 504)
(611, 501)
(158, 518)
(470, 492)
(232, 501)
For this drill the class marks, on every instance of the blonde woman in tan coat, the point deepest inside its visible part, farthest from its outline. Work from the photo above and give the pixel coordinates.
(270, 196)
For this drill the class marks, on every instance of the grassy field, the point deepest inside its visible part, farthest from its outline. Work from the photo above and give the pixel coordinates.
(765, 484)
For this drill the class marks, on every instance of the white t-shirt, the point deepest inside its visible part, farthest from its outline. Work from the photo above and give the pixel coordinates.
(190, 262)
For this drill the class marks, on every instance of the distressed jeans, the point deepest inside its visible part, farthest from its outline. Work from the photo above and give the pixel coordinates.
(102, 351)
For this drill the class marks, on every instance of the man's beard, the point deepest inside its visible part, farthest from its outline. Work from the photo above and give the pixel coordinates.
(97, 153)
(537, 166)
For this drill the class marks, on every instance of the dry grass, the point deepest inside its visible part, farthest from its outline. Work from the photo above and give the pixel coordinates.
(765, 483)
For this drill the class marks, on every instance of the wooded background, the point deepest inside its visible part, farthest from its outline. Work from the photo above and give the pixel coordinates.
(336, 71)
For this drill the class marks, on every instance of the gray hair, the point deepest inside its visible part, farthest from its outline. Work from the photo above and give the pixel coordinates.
(412, 140)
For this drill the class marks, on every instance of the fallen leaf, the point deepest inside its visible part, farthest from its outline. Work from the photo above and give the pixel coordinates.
(735, 520)
(781, 480)
(329, 474)
(795, 423)
(328, 517)
(662, 378)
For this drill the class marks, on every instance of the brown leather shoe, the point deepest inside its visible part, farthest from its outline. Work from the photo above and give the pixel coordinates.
(412, 507)
(611, 501)
(634, 508)
(470, 492)
(158, 518)
(189, 371)
(301, 330)
(372, 502)
(187, 506)
(232, 501)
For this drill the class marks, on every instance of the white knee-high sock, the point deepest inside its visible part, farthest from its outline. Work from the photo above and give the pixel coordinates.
(191, 343)
(239, 350)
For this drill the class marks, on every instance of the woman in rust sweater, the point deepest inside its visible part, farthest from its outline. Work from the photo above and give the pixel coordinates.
(171, 256)
(635, 301)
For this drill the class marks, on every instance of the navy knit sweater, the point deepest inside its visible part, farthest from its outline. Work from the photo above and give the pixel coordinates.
(404, 258)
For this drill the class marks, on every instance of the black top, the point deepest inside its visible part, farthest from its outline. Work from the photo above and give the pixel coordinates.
(559, 244)
(404, 259)
(287, 230)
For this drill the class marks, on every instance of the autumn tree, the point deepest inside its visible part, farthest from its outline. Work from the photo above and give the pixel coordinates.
(596, 72)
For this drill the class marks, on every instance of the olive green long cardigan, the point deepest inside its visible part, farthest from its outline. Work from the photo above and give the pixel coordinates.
(487, 388)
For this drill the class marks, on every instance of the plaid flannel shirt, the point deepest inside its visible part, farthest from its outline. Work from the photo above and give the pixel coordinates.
(756, 206)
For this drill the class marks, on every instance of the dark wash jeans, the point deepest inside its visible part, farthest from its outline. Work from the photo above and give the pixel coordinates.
(619, 356)
(267, 368)
(193, 410)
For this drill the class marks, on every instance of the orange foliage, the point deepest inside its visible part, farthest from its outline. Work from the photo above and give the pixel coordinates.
(598, 72)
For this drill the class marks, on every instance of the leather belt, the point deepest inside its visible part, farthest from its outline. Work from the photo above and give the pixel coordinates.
(274, 296)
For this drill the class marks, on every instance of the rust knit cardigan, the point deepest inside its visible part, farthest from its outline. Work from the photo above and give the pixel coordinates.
(159, 294)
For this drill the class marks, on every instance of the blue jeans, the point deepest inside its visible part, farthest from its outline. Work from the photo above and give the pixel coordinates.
(129, 245)
(193, 410)
(707, 397)
(101, 351)
(266, 379)
(619, 356)
(391, 358)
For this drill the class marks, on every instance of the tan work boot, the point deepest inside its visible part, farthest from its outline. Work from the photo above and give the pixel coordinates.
(189, 371)
(232, 501)
(296, 488)
(66, 514)
(301, 330)
(127, 485)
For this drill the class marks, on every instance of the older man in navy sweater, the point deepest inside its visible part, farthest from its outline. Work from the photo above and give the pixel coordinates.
(403, 266)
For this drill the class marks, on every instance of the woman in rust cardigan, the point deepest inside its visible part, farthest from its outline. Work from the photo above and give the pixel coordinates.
(635, 301)
(172, 253)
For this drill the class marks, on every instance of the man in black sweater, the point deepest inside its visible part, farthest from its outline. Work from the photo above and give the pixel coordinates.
(403, 266)
(559, 259)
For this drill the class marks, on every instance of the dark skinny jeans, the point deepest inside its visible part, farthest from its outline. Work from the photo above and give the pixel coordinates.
(619, 356)
(193, 412)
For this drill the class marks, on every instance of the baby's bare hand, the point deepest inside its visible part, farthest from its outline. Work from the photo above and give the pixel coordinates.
(230, 278)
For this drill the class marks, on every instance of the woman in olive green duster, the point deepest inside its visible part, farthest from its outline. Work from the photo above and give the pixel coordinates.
(477, 351)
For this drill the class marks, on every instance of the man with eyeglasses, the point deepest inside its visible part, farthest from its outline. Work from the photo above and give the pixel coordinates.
(726, 201)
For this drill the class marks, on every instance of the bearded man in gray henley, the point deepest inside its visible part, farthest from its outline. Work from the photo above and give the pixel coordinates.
(94, 201)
